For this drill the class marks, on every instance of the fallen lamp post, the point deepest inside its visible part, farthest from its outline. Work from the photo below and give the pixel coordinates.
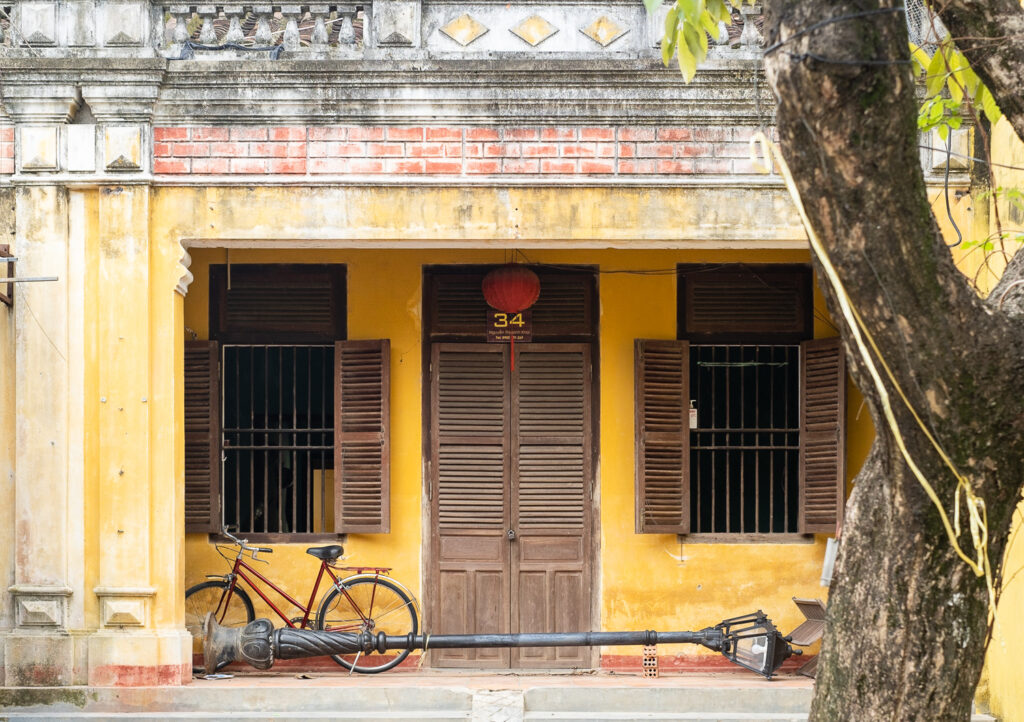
(751, 641)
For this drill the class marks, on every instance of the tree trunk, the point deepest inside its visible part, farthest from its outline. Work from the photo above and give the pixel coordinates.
(907, 618)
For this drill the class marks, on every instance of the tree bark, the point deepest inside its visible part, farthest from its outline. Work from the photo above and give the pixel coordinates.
(907, 618)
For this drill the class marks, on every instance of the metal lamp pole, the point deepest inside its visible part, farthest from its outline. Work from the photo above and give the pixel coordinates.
(751, 641)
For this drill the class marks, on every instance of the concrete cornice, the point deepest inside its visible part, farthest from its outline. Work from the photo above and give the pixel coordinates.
(564, 90)
(552, 90)
(49, 90)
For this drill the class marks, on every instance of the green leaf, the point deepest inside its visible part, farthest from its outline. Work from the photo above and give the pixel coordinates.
(988, 104)
(943, 132)
(671, 20)
(935, 74)
(687, 61)
(652, 5)
(690, 10)
(709, 23)
(697, 41)
(971, 81)
(920, 58)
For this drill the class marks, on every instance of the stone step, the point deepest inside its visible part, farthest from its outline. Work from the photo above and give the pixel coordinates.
(478, 699)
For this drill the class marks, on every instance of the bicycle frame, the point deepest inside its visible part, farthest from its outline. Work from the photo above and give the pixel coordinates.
(238, 574)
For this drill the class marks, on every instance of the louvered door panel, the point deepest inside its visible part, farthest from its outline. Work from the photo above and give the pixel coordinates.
(362, 436)
(551, 481)
(662, 436)
(822, 437)
(202, 437)
(469, 409)
(551, 415)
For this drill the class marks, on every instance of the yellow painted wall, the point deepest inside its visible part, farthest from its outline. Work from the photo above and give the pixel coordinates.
(642, 584)
(1001, 687)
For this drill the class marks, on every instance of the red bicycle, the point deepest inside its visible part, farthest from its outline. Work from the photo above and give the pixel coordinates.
(366, 600)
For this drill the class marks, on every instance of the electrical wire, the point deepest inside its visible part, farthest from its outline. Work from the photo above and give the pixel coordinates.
(949, 213)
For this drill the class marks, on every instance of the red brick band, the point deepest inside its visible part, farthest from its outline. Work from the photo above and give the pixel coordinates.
(6, 150)
(451, 151)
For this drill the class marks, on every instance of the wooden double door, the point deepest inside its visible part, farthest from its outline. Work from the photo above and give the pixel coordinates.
(511, 475)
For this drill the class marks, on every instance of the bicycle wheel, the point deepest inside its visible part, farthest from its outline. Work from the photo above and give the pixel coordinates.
(372, 604)
(205, 597)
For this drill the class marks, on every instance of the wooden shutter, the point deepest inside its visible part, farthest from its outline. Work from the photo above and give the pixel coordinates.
(362, 416)
(551, 408)
(202, 436)
(471, 431)
(755, 304)
(662, 377)
(289, 303)
(822, 435)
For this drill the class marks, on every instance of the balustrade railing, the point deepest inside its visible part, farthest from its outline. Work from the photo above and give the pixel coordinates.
(147, 28)
(272, 28)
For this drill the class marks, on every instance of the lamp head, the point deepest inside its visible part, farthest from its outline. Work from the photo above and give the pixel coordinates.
(753, 642)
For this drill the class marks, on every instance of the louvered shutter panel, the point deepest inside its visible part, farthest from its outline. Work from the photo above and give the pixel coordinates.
(822, 435)
(362, 436)
(293, 303)
(202, 437)
(662, 376)
(749, 304)
(471, 435)
(552, 421)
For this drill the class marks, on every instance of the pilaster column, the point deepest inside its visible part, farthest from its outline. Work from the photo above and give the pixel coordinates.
(46, 597)
(40, 649)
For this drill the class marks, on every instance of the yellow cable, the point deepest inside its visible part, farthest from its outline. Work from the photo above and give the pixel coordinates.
(978, 515)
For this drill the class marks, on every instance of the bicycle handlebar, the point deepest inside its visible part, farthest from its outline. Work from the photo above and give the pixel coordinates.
(244, 543)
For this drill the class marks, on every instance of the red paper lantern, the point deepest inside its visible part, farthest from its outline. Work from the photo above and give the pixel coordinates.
(512, 288)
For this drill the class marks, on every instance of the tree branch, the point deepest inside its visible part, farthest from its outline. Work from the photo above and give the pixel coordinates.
(1008, 295)
(991, 34)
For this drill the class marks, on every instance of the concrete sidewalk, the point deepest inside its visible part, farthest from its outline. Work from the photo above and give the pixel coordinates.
(428, 695)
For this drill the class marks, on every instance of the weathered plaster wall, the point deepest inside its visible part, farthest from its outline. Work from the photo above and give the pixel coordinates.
(7, 422)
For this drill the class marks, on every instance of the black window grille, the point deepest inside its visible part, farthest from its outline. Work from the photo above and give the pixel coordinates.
(278, 438)
(745, 450)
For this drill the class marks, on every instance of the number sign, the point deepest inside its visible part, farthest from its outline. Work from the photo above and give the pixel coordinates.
(505, 327)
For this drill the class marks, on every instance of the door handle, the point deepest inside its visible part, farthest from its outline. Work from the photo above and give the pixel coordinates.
(511, 534)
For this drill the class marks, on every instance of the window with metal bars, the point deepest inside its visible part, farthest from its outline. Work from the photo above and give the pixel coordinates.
(740, 422)
(745, 444)
(278, 438)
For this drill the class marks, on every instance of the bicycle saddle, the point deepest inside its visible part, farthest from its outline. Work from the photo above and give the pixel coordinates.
(328, 553)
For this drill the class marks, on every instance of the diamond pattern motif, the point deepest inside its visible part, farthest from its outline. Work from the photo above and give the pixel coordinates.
(534, 30)
(464, 29)
(604, 31)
